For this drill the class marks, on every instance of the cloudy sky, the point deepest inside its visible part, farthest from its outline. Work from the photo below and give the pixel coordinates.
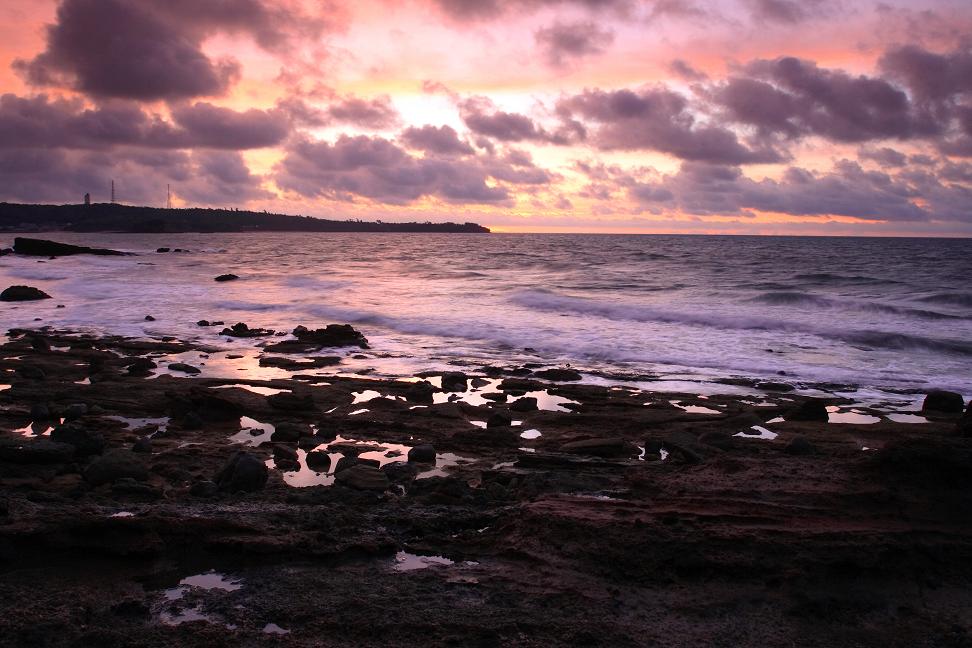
(735, 116)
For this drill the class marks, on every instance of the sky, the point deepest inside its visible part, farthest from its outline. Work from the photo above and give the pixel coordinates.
(819, 117)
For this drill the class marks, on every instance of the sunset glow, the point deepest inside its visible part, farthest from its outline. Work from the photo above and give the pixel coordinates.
(750, 116)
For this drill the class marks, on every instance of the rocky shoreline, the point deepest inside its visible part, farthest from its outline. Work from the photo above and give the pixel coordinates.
(144, 502)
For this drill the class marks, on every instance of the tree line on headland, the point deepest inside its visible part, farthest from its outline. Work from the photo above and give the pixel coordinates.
(108, 217)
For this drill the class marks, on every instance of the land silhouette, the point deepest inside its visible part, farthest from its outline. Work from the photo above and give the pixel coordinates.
(109, 217)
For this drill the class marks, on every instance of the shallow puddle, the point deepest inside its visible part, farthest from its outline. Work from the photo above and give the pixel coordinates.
(854, 417)
(252, 433)
(694, 409)
(530, 434)
(405, 561)
(907, 418)
(759, 432)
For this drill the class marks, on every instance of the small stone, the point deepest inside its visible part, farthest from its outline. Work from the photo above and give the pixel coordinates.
(226, 277)
(75, 411)
(318, 460)
(149, 318)
(454, 381)
(39, 412)
(812, 409)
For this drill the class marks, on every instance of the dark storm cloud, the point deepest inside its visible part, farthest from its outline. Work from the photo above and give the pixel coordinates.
(118, 48)
(151, 49)
(660, 120)
(441, 140)
(378, 169)
(931, 77)
(847, 190)
(563, 42)
(57, 123)
(792, 97)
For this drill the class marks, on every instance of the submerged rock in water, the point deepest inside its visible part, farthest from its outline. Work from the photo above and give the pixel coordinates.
(241, 330)
(812, 409)
(23, 293)
(558, 375)
(226, 277)
(114, 465)
(942, 401)
(184, 368)
(243, 472)
(42, 247)
(332, 335)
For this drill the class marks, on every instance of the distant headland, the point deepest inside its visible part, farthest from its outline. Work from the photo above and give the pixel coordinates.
(109, 217)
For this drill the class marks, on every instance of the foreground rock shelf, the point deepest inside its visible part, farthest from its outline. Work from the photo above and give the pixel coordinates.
(145, 507)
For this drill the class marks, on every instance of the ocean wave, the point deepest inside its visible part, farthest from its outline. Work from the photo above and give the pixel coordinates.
(829, 278)
(256, 307)
(795, 298)
(963, 299)
(547, 301)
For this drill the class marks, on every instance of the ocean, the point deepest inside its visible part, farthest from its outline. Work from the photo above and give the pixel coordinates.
(884, 315)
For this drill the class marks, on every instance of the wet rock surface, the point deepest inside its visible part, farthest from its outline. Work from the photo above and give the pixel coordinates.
(626, 521)
(22, 293)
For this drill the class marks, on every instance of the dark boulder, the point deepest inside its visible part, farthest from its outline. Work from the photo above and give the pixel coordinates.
(182, 367)
(288, 401)
(243, 472)
(524, 404)
(35, 451)
(40, 412)
(800, 446)
(289, 432)
(149, 318)
(775, 386)
(114, 465)
(142, 445)
(454, 381)
(85, 442)
(610, 447)
(345, 462)
(318, 460)
(945, 402)
(332, 335)
(496, 397)
(424, 453)
(289, 364)
(226, 277)
(363, 477)
(75, 411)
(421, 393)
(140, 367)
(22, 293)
(400, 472)
(241, 330)
(285, 457)
(812, 409)
(41, 247)
(162, 250)
(499, 420)
(558, 375)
